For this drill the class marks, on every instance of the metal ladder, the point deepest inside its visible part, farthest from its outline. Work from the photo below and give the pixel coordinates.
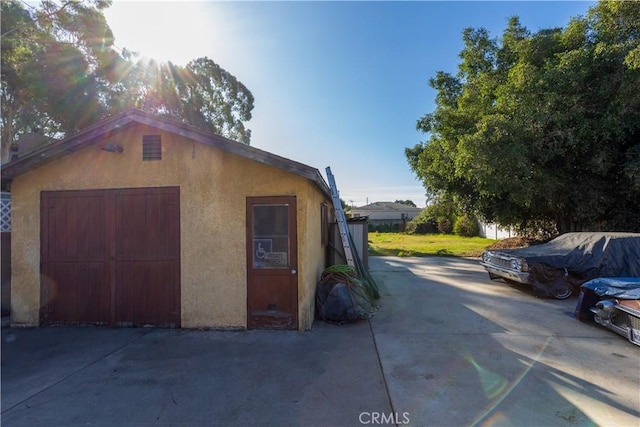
(341, 219)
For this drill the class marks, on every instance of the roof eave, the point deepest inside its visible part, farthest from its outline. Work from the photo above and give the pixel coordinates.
(120, 122)
(66, 146)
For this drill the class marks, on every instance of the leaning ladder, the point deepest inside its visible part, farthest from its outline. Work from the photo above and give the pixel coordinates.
(341, 219)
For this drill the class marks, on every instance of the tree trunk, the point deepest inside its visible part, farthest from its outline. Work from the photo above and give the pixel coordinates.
(6, 137)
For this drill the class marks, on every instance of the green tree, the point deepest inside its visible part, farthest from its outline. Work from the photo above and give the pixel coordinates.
(541, 127)
(61, 73)
(52, 63)
(201, 94)
(466, 226)
(438, 217)
(345, 206)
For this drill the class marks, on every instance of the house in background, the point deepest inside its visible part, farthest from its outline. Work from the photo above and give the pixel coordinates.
(141, 220)
(386, 215)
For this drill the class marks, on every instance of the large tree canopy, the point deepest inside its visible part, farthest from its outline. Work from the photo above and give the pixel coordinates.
(61, 73)
(541, 126)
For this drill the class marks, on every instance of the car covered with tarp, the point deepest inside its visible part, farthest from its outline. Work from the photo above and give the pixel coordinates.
(557, 268)
(612, 302)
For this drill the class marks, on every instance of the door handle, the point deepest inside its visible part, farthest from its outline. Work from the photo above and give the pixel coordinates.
(293, 272)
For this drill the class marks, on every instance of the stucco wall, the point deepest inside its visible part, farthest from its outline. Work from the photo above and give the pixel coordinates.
(312, 251)
(213, 188)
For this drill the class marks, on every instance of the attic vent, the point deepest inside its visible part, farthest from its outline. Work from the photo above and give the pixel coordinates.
(151, 147)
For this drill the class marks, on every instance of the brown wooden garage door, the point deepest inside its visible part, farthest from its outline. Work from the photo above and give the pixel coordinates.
(111, 257)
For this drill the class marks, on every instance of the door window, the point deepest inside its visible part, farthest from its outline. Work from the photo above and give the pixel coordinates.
(271, 236)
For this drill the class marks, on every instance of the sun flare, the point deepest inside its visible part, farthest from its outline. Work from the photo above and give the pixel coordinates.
(164, 31)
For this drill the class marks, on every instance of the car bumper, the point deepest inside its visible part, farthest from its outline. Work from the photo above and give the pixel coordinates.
(505, 273)
(624, 320)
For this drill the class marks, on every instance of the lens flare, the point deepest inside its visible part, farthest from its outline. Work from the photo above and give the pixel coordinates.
(493, 384)
(491, 416)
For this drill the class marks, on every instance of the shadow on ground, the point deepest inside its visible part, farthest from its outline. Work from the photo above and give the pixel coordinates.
(458, 349)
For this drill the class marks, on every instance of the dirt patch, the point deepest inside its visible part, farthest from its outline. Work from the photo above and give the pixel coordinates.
(512, 242)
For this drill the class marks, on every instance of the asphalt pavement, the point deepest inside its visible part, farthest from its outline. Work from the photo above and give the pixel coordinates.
(447, 347)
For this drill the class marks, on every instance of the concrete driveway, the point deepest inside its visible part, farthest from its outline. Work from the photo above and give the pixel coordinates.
(458, 349)
(447, 347)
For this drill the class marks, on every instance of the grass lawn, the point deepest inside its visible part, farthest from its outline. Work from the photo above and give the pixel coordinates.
(399, 244)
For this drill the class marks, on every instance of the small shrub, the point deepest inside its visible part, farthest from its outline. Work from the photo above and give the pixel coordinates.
(421, 226)
(445, 226)
(466, 226)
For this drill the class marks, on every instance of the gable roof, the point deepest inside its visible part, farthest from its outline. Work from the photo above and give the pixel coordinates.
(120, 122)
(387, 207)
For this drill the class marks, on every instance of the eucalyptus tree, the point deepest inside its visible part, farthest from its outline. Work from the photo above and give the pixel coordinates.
(201, 94)
(53, 64)
(62, 72)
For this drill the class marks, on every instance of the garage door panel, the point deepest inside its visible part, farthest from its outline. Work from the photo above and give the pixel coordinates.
(111, 256)
(145, 293)
(147, 258)
(75, 227)
(147, 227)
(94, 296)
(76, 293)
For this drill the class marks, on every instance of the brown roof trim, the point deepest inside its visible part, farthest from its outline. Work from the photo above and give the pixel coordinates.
(118, 123)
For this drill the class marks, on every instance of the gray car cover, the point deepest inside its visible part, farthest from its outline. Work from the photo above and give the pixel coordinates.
(587, 255)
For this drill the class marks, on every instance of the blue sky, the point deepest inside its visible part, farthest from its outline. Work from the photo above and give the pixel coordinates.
(337, 84)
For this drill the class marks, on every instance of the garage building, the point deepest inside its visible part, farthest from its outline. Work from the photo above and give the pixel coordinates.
(141, 220)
